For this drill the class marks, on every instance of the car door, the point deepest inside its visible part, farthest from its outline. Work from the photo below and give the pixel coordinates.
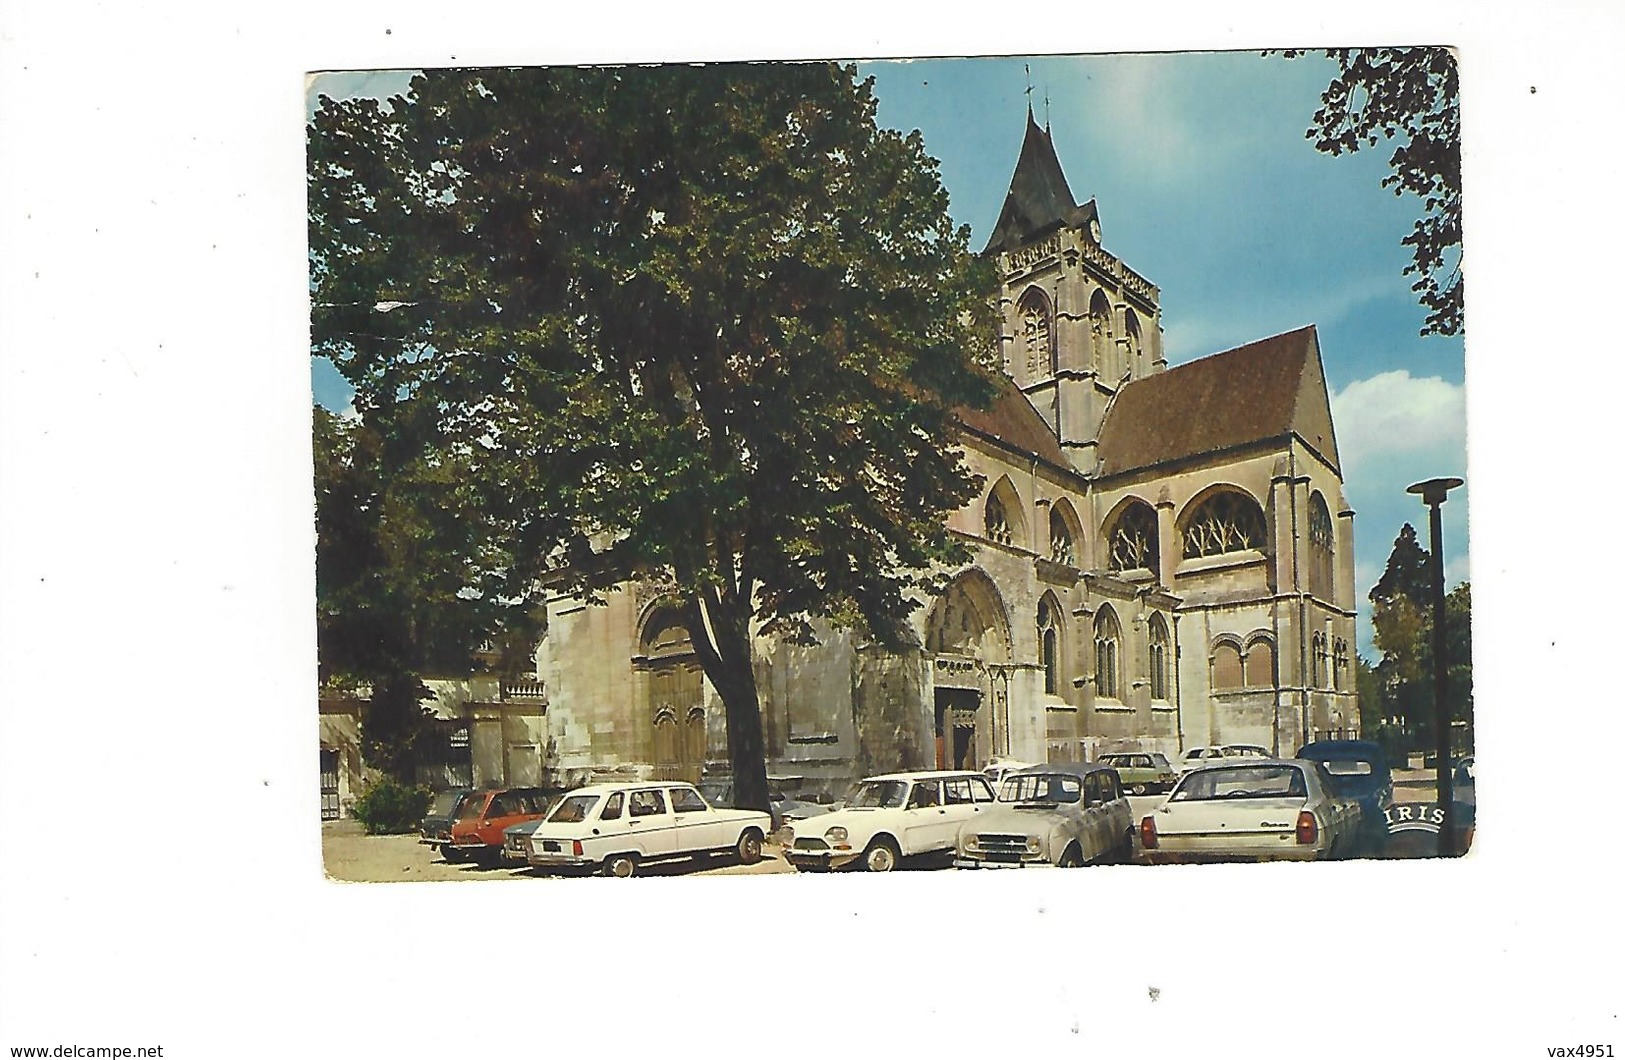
(649, 823)
(926, 825)
(695, 825)
(959, 798)
(1096, 820)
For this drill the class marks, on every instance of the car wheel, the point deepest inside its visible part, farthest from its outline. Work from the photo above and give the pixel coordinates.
(622, 865)
(1125, 853)
(881, 856)
(1138, 789)
(749, 849)
(1071, 857)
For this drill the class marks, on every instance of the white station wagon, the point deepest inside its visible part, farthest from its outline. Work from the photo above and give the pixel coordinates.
(889, 817)
(617, 827)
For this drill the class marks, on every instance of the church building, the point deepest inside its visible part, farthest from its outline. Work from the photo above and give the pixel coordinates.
(1163, 560)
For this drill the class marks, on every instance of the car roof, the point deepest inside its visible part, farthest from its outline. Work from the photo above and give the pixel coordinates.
(1075, 768)
(929, 774)
(1254, 763)
(1365, 749)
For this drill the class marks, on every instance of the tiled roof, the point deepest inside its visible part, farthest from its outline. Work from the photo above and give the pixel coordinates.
(1264, 389)
(1012, 419)
(1039, 198)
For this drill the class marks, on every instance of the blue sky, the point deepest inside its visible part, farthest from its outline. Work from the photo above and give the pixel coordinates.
(1207, 186)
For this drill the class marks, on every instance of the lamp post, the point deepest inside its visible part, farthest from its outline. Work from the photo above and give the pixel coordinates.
(1433, 493)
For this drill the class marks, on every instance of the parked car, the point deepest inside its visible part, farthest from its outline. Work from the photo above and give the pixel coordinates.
(1064, 815)
(1250, 809)
(1359, 771)
(1141, 772)
(476, 834)
(999, 768)
(889, 817)
(616, 828)
(435, 829)
(515, 839)
(780, 807)
(1202, 756)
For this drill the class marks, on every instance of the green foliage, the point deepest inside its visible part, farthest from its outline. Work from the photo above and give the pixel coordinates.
(1402, 622)
(709, 322)
(389, 807)
(1413, 95)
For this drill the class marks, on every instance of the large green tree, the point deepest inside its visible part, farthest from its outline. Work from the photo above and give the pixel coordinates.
(1412, 96)
(1402, 623)
(707, 324)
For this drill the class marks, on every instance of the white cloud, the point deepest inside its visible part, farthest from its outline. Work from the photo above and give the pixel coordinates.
(1394, 418)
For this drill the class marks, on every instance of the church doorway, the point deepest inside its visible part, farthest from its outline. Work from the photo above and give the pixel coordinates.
(674, 693)
(956, 728)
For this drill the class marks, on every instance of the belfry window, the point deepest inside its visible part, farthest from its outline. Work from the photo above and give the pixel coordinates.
(1321, 548)
(1318, 647)
(1226, 522)
(1037, 334)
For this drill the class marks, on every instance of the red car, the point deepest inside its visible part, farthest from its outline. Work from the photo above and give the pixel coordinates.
(476, 834)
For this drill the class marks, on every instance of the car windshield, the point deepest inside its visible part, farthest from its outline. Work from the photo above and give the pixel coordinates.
(1259, 782)
(1041, 787)
(888, 794)
(573, 809)
(445, 802)
(1352, 777)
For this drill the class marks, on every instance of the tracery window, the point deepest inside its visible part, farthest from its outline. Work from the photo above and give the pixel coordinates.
(1060, 540)
(1321, 548)
(1108, 639)
(1340, 663)
(1049, 646)
(1159, 658)
(997, 520)
(1134, 539)
(1318, 647)
(1134, 350)
(1038, 334)
(1227, 521)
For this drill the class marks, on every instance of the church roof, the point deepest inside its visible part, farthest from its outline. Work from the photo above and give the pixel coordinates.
(1011, 419)
(1263, 390)
(1039, 198)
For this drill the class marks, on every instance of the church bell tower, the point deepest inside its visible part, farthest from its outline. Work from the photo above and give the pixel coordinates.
(1076, 324)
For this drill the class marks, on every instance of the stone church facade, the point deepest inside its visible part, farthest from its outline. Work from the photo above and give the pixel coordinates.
(1163, 559)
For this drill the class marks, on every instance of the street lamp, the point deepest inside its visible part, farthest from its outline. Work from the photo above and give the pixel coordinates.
(1433, 493)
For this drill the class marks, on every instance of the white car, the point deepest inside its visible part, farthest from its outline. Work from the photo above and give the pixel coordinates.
(889, 817)
(617, 827)
(1206, 756)
(1064, 815)
(1252, 809)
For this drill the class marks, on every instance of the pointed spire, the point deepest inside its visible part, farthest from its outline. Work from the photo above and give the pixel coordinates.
(1039, 198)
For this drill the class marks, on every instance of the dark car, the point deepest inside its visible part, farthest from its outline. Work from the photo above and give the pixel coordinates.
(1358, 770)
(780, 807)
(435, 828)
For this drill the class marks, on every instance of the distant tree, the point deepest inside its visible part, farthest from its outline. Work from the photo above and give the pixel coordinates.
(707, 325)
(1402, 624)
(395, 588)
(1412, 95)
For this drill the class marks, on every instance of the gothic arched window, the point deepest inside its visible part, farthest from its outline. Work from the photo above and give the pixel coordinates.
(1049, 645)
(1133, 539)
(1340, 663)
(1228, 521)
(1131, 325)
(1108, 645)
(1159, 658)
(1318, 647)
(1060, 539)
(1037, 334)
(1322, 551)
(1100, 336)
(997, 520)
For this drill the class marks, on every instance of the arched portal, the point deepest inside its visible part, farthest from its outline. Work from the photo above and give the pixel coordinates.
(674, 697)
(967, 637)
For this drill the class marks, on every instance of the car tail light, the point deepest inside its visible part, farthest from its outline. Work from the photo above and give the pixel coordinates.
(575, 848)
(1308, 828)
(1148, 833)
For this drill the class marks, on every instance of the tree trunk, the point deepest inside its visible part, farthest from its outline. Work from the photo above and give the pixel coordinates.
(724, 649)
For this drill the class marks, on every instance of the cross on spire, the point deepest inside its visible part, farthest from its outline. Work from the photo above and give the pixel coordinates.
(1029, 70)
